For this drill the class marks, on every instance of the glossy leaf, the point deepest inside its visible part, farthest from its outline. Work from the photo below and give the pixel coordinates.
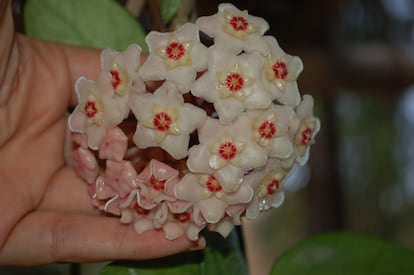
(90, 23)
(221, 256)
(168, 9)
(345, 253)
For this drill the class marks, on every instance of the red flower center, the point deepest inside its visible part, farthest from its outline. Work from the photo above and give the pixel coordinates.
(175, 51)
(273, 186)
(90, 109)
(267, 129)
(280, 70)
(183, 217)
(227, 150)
(306, 136)
(234, 82)
(162, 121)
(213, 185)
(239, 23)
(140, 211)
(157, 184)
(116, 79)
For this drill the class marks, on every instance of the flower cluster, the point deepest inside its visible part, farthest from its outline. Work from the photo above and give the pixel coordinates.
(214, 142)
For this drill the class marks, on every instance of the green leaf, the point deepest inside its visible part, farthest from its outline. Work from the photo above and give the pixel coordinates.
(345, 253)
(168, 9)
(221, 256)
(90, 23)
(187, 263)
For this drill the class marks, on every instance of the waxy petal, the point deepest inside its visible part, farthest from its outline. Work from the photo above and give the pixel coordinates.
(113, 145)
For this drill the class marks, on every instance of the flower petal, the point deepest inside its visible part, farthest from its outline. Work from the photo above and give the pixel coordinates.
(172, 230)
(161, 215)
(213, 209)
(277, 199)
(114, 145)
(120, 175)
(85, 164)
(224, 227)
(189, 189)
(243, 195)
(230, 177)
(143, 225)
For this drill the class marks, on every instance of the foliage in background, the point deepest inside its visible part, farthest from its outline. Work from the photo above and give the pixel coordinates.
(168, 9)
(345, 253)
(221, 256)
(89, 23)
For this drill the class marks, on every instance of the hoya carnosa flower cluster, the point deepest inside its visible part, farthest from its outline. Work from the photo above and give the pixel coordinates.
(213, 142)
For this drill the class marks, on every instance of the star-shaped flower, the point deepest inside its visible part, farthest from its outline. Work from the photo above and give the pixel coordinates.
(175, 56)
(156, 183)
(307, 127)
(226, 152)
(141, 218)
(207, 194)
(188, 222)
(235, 30)
(270, 129)
(164, 120)
(95, 113)
(280, 74)
(120, 73)
(268, 185)
(233, 84)
(175, 222)
(113, 186)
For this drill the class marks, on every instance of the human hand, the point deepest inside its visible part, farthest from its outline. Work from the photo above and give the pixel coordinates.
(47, 212)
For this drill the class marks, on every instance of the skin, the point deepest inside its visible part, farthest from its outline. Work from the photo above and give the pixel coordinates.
(47, 215)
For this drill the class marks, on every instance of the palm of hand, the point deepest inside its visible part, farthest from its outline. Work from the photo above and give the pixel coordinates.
(47, 213)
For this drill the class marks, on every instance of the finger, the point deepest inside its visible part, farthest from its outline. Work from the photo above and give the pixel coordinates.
(43, 237)
(67, 193)
(81, 61)
(8, 60)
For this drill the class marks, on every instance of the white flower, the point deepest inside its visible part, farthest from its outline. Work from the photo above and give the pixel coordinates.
(95, 113)
(307, 127)
(280, 74)
(268, 185)
(120, 72)
(207, 194)
(227, 152)
(235, 30)
(188, 222)
(175, 56)
(233, 84)
(164, 120)
(270, 129)
(227, 223)
(204, 158)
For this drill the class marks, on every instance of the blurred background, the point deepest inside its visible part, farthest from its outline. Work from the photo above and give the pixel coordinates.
(358, 60)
